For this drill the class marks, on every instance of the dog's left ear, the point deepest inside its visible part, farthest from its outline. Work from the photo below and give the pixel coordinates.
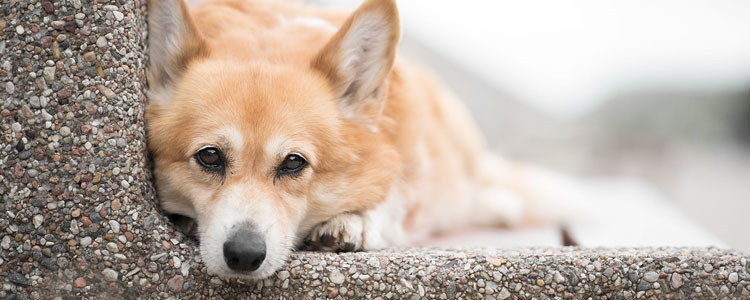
(174, 42)
(360, 55)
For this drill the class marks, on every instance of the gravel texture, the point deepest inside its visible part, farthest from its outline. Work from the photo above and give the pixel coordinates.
(79, 220)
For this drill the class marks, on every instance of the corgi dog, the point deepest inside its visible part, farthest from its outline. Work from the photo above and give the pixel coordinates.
(277, 125)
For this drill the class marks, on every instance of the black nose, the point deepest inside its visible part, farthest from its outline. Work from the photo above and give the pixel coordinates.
(245, 251)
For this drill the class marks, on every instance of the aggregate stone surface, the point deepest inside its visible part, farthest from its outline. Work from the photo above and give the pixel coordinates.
(78, 216)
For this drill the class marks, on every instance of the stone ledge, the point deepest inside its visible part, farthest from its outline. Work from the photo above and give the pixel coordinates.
(567, 273)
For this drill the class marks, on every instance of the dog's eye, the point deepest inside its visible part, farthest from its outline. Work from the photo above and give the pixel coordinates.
(293, 164)
(210, 158)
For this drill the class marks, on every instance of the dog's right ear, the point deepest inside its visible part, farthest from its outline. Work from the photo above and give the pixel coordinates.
(173, 43)
(359, 57)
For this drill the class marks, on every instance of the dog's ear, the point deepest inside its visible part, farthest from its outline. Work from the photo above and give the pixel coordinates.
(360, 55)
(173, 42)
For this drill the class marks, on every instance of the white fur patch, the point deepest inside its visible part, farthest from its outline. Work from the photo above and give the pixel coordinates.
(311, 22)
(242, 204)
(226, 134)
(278, 147)
(384, 224)
(233, 136)
(314, 23)
(498, 206)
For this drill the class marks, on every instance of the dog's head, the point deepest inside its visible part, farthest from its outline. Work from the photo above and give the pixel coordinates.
(258, 151)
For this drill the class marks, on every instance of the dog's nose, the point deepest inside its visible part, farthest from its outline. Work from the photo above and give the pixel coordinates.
(245, 251)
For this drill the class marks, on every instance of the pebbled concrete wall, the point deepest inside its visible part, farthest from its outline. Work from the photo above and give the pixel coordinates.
(78, 217)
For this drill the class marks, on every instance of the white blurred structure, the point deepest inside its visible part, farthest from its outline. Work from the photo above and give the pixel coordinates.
(566, 57)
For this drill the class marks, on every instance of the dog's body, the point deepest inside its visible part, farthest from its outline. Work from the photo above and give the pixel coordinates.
(270, 124)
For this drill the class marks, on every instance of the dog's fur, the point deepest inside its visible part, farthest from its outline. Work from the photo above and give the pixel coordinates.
(393, 157)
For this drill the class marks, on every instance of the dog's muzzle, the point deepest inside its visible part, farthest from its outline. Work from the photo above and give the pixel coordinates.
(245, 249)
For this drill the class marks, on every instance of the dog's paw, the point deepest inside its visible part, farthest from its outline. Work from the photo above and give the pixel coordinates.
(343, 232)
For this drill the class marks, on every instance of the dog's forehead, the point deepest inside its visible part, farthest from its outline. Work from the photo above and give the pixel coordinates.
(256, 108)
(257, 91)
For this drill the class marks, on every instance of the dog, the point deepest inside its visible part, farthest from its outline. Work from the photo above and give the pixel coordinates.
(277, 125)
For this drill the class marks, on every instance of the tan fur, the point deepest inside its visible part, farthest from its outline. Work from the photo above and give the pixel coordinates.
(247, 65)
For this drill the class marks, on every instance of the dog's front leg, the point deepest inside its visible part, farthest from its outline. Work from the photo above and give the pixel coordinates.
(368, 230)
(376, 228)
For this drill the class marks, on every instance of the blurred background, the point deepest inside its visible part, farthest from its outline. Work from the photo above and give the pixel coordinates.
(647, 100)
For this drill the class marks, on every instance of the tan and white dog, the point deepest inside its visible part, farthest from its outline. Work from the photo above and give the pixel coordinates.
(275, 124)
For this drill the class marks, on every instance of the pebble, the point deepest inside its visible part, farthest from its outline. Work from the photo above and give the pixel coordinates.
(283, 275)
(85, 241)
(336, 277)
(116, 206)
(651, 276)
(112, 247)
(89, 56)
(101, 42)
(18, 279)
(5, 243)
(38, 220)
(85, 129)
(644, 286)
(559, 278)
(107, 92)
(118, 15)
(504, 294)
(65, 92)
(109, 274)
(724, 290)
(35, 102)
(48, 7)
(49, 73)
(65, 131)
(175, 283)
(46, 116)
(676, 280)
(79, 282)
(58, 24)
(114, 226)
(733, 277)
(540, 282)
(216, 281)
